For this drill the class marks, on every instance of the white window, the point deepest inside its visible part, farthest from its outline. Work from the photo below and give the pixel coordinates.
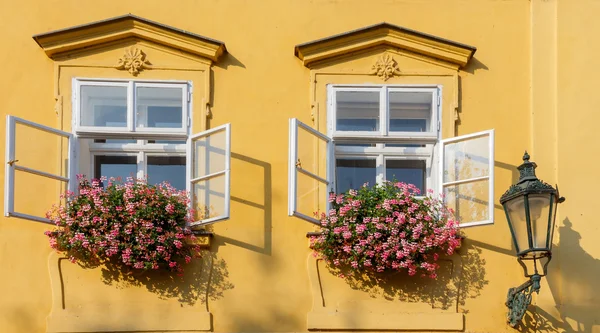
(131, 108)
(140, 129)
(383, 133)
(386, 133)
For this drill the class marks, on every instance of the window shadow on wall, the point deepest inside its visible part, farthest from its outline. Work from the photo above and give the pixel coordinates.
(574, 287)
(256, 195)
(460, 276)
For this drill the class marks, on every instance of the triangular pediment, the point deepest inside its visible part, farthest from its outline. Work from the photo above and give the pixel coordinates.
(384, 34)
(64, 41)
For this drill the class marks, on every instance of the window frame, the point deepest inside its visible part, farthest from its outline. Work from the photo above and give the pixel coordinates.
(384, 134)
(11, 166)
(429, 140)
(131, 130)
(490, 177)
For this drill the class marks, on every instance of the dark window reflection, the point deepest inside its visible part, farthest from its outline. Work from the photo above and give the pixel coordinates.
(410, 172)
(408, 125)
(167, 168)
(115, 166)
(352, 174)
(164, 116)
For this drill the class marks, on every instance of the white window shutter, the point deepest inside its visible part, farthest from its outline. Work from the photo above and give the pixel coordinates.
(309, 195)
(208, 168)
(12, 165)
(467, 177)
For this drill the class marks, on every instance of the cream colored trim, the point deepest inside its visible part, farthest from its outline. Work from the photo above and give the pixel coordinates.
(60, 43)
(384, 34)
(95, 318)
(323, 316)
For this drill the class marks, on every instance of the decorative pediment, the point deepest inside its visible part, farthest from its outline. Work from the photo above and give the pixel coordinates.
(60, 42)
(384, 34)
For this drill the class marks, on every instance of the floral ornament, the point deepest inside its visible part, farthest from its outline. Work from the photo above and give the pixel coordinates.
(385, 67)
(134, 61)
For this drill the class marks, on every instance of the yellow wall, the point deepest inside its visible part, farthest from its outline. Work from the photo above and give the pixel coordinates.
(533, 80)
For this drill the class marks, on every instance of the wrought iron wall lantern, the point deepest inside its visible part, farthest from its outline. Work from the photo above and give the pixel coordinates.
(530, 207)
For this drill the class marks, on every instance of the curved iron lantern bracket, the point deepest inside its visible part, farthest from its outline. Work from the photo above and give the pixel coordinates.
(519, 298)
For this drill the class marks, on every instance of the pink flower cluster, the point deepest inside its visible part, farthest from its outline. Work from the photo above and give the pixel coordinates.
(139, 225)
(387, 227)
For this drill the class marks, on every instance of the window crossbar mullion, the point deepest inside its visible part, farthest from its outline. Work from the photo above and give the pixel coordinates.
(465, 181)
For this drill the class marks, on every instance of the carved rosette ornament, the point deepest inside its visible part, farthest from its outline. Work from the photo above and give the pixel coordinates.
(385, 67)
(133, 61)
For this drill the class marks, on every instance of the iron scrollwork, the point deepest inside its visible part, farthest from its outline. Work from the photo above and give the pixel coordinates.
(519, 299)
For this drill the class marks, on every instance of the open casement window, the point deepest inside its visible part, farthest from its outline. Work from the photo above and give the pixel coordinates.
(209, 160)
(310, 171)
(467, 177)
(30, 174)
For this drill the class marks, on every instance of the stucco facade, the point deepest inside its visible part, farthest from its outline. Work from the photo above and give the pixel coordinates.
(255, 65)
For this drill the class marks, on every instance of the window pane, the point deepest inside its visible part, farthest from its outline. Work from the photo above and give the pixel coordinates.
(167, 168)
(410, 111)
(469, 200)
(103, 106)
(467, 159)
(353, 173)
(357, 111)
(115, 166)
(208, 199)
(209, 154)
(410, 172)
(159, 107)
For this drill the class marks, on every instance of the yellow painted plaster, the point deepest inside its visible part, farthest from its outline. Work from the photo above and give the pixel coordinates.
(259, 280)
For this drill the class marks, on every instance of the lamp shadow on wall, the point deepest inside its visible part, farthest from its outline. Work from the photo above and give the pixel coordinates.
(460, 276)
(574, 287)
(202, 280)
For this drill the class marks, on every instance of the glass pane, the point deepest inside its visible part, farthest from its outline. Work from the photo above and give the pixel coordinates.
(410, 172)
(312, 153)
(208, 198)
(539, 209)
(159, 107)
(167, 168)
(312, 196)
(469, 201)
(103, 106)
(467, 159)
(119, 167)
(357, 111)
(516, 212)
(410, 111)
(209, 154)
(34, 195)
(353, 173)
(40, 150)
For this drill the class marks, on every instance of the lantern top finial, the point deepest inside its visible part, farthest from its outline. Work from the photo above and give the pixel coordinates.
(526, 157)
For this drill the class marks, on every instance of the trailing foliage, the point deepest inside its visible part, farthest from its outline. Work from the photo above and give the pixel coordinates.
(136, 224)
(386, 227)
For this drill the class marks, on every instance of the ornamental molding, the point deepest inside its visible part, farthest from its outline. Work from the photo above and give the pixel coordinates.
(384, 34)
(385, 67)
(134, 61)
(58, 44)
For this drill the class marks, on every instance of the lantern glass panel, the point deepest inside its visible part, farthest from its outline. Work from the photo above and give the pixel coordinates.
(515, 209)
(539, 210)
